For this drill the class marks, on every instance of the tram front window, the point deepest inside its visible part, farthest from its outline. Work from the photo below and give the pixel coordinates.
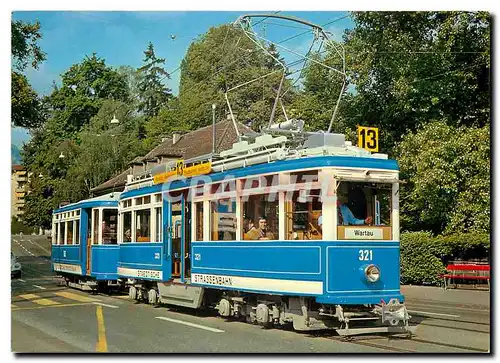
(364, 205)
(109, 226)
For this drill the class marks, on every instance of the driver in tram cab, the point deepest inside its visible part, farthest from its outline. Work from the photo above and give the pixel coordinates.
(345, 216)
(261, 233)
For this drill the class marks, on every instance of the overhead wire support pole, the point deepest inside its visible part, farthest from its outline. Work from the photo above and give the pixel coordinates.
(245, 23)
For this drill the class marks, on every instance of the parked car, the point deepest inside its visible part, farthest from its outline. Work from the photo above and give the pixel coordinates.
(15, 267)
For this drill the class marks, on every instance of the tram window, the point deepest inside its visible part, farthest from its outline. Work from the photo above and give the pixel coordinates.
(95, 239)
(159, 224)
(109, 226)
(127, 227)
(157, 198)
(69, 238)
(147, 199)
(77, 232)
(223, 219)
(143, 225)
(261, 181)
(260, 217)
(55, 232)
(138, 201)
(308, 176)
(303, 211)
(78, 212)
(63, 229)
(199, 221)
(365, 204)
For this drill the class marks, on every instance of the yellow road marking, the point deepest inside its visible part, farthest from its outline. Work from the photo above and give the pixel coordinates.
(102, 344)
(29, 296)
(70, 295)
(45, 302)
(122, 297)
(51, 306)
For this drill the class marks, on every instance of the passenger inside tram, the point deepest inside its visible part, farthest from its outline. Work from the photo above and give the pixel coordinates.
(261, 233)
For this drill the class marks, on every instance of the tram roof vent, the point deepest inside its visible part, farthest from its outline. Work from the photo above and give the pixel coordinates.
(325, 139)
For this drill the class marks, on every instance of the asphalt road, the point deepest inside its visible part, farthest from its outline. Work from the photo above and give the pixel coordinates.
(47, 317)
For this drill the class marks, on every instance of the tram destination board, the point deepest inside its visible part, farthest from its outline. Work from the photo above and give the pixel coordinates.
(181, 170)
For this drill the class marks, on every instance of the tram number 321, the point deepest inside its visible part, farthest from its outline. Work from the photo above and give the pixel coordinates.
(365, 255)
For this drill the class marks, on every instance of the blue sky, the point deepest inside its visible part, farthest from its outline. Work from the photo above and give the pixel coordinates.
(120, 38)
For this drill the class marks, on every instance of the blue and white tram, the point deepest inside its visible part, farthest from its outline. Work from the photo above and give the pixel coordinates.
(275, 235)
(84, 242)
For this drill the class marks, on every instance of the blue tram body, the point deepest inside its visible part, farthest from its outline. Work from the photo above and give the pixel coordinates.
(328, 272)
(81, 251)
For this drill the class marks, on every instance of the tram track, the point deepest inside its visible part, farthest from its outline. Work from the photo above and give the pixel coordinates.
(456, 328)
(368, 342)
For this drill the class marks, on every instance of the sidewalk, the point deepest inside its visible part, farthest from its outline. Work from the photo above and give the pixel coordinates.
(453, 296)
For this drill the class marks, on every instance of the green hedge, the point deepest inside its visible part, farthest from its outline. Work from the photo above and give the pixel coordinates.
(424, 257)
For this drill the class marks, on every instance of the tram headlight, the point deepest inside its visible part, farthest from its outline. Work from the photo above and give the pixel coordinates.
(372, 273)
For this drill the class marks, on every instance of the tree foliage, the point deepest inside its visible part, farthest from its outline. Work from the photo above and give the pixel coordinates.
(26, 107)
(221, 59)
(412, 67)
(153, 93)
(25, 49)
(447, 170)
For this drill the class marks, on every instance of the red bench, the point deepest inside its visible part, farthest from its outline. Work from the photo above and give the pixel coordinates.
(467, 272)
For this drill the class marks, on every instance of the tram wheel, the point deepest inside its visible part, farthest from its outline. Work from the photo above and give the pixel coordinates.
(132, 293)
(152, 297)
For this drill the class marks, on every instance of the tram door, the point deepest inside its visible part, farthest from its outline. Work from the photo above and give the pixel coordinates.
(89, 240)
(187, 240)
(93, 237)
(176, 228)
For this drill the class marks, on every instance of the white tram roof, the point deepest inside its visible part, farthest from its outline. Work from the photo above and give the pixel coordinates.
(102, 200)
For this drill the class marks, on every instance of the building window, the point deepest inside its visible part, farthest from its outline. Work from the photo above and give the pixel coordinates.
(303, 212)
(260, 217)
(109, 226)
(223, 219)
(69, 238)
(143, 225)
(199, 221)
(159, 224)
(127, 227)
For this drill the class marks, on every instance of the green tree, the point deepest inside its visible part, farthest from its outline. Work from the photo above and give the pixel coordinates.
(84, 88)
(223, 58)
(411, 67)
(153, 93)
(26, 106)
(447, 171)
(24, 38)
